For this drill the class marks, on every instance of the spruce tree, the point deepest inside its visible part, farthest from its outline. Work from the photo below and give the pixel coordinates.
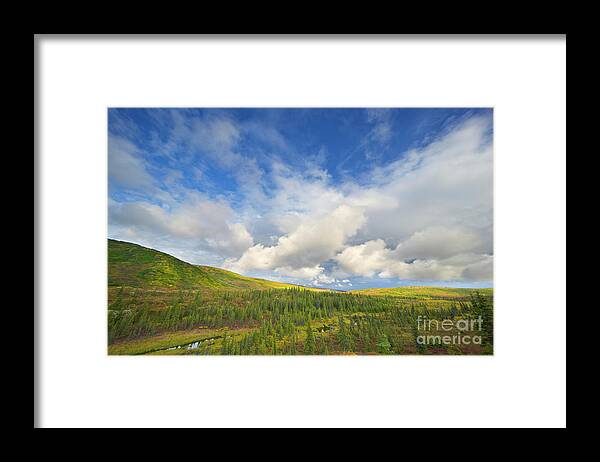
(383, 345)
(309, 344)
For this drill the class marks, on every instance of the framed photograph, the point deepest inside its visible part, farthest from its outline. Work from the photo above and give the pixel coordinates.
(300, 231)
(289, 224)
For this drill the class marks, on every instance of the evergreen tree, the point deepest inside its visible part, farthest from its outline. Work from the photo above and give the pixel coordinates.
(383, 345)
(309, 343)
(344, 337)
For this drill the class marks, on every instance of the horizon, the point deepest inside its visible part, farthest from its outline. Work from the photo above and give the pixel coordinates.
(339, 290)
(313, 197)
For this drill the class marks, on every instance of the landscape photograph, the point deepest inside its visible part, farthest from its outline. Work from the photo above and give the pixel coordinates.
(300, 231)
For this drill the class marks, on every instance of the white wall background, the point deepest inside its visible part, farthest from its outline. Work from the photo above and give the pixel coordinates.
(524, 384)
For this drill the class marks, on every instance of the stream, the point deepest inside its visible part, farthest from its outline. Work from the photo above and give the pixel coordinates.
(193, 345)
(197, 343)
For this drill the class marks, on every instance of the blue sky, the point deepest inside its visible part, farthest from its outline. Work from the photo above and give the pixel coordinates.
(340, 198)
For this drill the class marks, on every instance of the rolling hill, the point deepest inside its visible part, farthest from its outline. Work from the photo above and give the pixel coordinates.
(133, 265)
(424, 292)
(158, 304)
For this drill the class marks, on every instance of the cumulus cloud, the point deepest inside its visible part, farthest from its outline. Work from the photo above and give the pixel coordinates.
(439, 242)
(374, 258)
(425, 216)
(313, 241)
(196, 223)
(305, 272)
(447, 183)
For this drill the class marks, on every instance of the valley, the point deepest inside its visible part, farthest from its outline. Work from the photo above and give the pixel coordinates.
(160, 305)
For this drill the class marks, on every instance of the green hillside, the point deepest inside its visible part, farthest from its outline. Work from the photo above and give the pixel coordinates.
(158, 304)
(132, 265)
(424, 292)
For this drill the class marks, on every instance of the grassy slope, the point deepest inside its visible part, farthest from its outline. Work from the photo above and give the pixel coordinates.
(154, 278)
(135, 266)
(424, 292)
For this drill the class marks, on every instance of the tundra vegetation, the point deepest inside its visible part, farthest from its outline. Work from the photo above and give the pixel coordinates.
(158, 304)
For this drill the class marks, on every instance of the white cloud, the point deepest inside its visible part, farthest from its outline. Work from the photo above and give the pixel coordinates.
(218, 137)
(448, 183)
(195, 223)
(373, 258)
(323, 279)
(364, 259)
(299, 253)
(439, 242)
(306, 272)
(425, 216)
(125, 168)
(382, 127)
(267, 134)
